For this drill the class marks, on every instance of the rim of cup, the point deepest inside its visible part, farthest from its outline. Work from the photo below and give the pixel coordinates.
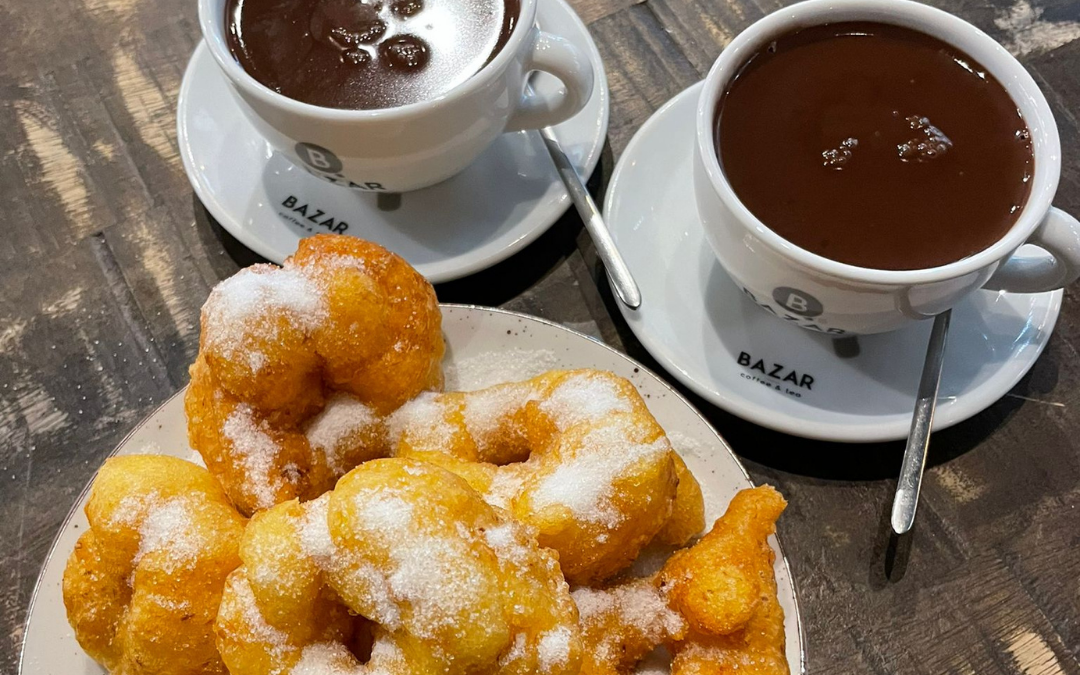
(213, 24)
(951, 29)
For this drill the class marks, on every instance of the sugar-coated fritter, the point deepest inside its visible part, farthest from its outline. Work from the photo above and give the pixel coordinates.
(143, 585)
(299, 364)
(725, 587)
(405, 559)
(713, 605)
(574, 453)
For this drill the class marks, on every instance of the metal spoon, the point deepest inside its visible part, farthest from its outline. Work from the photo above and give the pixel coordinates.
(625, 286)
(911, 470)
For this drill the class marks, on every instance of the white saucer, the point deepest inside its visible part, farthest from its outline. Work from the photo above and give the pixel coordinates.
(493, 209)
(697, 323)
(484, 346)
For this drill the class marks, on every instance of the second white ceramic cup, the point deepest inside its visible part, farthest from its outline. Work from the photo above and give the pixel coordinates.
(420, 144)
(836, 298)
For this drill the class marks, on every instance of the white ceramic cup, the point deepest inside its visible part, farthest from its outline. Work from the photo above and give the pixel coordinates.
(416, 145)
(833, 297)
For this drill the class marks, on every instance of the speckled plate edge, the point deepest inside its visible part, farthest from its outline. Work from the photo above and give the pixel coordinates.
(795, 635)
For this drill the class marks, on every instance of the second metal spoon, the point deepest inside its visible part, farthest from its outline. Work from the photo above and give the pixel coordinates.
(911, 470)
(625, 287)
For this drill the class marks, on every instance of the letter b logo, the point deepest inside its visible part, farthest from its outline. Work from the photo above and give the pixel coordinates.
(797, 302)
(318, 158)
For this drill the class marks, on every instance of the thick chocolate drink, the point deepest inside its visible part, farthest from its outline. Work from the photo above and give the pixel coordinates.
(367, 54)
(875, 145)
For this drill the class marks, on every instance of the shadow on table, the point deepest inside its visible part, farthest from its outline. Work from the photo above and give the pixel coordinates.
(211, 232)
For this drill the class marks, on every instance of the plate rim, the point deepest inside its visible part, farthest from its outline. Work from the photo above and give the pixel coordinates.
(468, 308)
(949, 413)
(245, 237)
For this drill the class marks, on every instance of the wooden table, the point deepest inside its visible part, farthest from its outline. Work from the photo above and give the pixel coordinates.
(106, 258)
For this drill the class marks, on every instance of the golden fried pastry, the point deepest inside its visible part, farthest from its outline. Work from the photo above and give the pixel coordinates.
(143, 584)
(687, 511)
(725, 587)
(713, 605)
(575, 454)
(298, 365)
(403, 568)
(622, 624)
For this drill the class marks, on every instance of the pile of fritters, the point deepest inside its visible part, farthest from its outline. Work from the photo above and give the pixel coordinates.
(496, 539)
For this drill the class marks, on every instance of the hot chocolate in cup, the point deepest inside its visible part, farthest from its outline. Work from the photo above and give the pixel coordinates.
(837, 289)
(405, 147)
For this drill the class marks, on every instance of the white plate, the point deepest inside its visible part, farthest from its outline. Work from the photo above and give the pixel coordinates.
(708, 335)
(484, 346)
(493, 209)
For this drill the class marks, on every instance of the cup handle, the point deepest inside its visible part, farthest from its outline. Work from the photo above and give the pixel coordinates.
(1059, 236)
(555, 55)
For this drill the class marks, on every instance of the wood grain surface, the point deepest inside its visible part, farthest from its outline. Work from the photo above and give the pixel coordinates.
(106, 258)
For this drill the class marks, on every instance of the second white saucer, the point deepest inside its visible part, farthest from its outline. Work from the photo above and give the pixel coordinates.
(496, 207)
(711, 337)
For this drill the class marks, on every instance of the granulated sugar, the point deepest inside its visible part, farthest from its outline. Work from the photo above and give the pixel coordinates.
(132, 508)
(343, 418)
(342, 262)
(175, 605)
(316, 542)
(486, 411)
(314, 532)
(516, 651)
(687, 445)
(506, 483)
(264, 570)
(505, 542)
(256, 360)
(334, 658)
(168, 530)
(385, 512)
(583, 397)
(326, 658)
(256, 453)
(490, 368)
(239, 303)
(554, 649)
(387, 610)
(440, 580)
(583, 483)
(272, 639)
(439, 577)
(424, 417)
(637, 604)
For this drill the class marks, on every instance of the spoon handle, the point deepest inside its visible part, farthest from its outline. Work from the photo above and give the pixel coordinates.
(911, 471)
(622, 280)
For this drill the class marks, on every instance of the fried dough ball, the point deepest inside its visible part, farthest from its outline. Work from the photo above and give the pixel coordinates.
(575, 454)
(405, 560)
(725, 587)
(713, 604)
(143, 584)
(299, 364)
